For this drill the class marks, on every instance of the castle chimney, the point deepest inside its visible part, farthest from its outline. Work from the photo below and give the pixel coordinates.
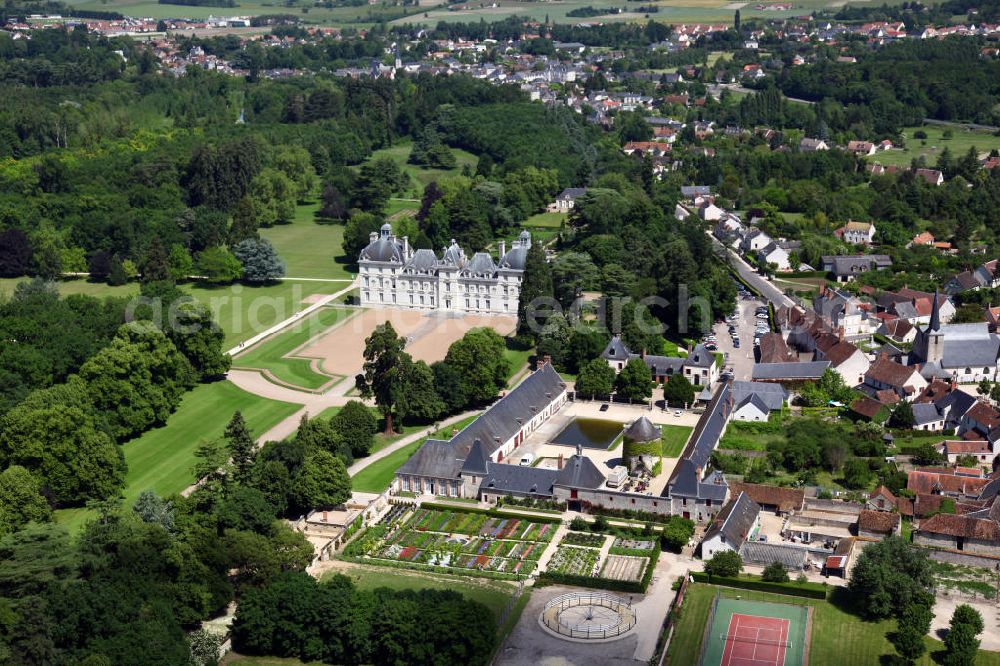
(373, 236)
(840, 333)
(545, 360)
(697, 472)
(503, 248)
(406, 247)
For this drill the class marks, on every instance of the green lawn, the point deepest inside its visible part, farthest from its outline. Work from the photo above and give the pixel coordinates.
(838, 636)
(161, 459)
(674, 438)
(272, 354)
(935, 143)
(517, 359)
(376, 477)
(547, 220)
(71, 287)
(397, 208)
(310, 250)
(420, 177)
(492, 594)
(241, 310)
(244, 311)
(381, 441)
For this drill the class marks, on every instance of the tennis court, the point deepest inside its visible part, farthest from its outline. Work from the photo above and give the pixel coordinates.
(755, 633)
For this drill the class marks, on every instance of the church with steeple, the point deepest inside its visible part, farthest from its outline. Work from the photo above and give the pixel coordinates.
(393, 274)
(960, 352)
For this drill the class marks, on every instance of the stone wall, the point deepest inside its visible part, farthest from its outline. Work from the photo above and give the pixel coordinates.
(964, 558)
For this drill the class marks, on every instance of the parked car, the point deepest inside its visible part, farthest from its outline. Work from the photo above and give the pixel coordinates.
(604, 407)
(736, 343)
(677, 412)
(527, 459)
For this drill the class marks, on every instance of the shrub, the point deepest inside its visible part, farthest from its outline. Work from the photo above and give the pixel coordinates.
(578, 524)
(775, 572)
(806, 589)
(726, 563)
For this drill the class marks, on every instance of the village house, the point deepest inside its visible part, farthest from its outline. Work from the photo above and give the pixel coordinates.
(845, 268)
(776, 499)
(915, 306)
(977, 532)
(807, 145)
(953, 449)
(856, 233)
(878, 524)
(567, 199)
(738, 522)
(984, 276)
(885, 374)
(778, 254)
(861, 148)
(699, 366)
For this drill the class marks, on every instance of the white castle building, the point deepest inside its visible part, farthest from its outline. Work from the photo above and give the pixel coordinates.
(393, 274)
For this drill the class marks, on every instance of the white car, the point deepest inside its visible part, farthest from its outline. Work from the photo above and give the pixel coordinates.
(677, 412)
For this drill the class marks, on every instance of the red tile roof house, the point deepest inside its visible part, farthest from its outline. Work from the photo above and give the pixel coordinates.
(904, 380)
(955, 449)
(878, 524)
(951, 485)
(976, 532)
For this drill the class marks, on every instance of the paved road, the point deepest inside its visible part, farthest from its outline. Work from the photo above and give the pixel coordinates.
(740, 360)
(751, 276)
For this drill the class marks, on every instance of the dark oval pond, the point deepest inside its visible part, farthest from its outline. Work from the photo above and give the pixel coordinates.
(589, 433)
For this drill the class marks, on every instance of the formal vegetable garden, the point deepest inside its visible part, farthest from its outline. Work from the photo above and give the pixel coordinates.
(583, 539)
(460, 541)
(574, 561)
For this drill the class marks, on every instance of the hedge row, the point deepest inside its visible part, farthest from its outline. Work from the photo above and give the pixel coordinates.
(808, 590)
(495, 513)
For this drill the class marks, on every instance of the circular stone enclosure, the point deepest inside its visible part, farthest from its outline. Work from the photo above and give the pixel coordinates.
(588, 616)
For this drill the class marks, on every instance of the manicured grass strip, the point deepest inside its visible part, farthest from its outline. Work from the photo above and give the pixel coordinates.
(516, 360)
(161, 459)
(243, 311)
(935, 143)
(674, 438)
(73, 287)
(493, 594)
(550, 220)
(272, 354)
(309, 249)
(376, 477)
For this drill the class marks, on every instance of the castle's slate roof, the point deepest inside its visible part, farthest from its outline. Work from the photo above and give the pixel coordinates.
(481, 264)
(422, 261)
(453, 255)
(515, 259)
(642, 430)
(615, 350)
(384, 249)
(685, 481)
(700, 357)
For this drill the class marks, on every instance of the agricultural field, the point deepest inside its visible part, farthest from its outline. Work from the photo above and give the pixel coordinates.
(460, 541)
(935, 143)
(162, 459)
(574, 561)
(310, 250)
(343, 15)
